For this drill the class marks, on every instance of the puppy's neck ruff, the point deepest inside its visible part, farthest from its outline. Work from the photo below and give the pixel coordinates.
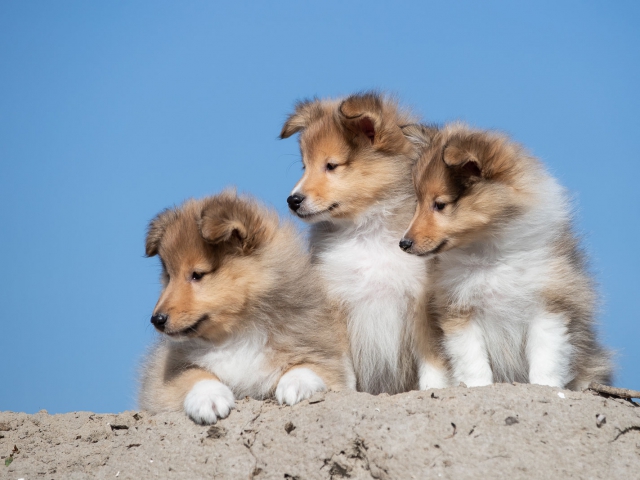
(378, 284)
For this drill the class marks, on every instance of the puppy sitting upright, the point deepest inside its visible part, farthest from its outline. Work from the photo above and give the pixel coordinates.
(510, 289)
(357, 192)
(242, 311)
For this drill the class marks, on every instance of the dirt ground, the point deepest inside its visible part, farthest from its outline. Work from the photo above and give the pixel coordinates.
(501, 431)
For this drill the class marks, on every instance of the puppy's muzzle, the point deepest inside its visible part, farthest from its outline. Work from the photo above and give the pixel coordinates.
(159, 321)
(295, 201)
(406, 244)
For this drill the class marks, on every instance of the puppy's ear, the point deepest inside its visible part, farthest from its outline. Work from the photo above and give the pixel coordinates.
(464, 160)
(305, 112)
(361, 115)
(227, 219)
(419, 134)
(156, 230)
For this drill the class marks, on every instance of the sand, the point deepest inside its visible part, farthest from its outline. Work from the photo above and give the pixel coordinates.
(501, 431)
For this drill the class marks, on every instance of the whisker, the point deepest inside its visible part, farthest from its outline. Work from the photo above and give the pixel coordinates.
(291, 164)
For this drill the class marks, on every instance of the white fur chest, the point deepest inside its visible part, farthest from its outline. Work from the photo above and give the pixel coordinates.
(503, 283)
(241, 363)
(368, 267)
(378, 283)
(503, 276)
(501, 286)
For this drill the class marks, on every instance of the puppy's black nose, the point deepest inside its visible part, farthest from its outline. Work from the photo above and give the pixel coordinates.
(405, 244)
(295, 201)
(159, 320)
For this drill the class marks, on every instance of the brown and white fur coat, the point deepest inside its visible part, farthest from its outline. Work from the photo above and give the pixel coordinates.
(242, 311)
(357, 193)
(509, 287)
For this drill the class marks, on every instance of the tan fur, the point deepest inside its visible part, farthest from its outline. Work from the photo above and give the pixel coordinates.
(485, 182)
(427, 339)
(357, 182)
(368, 170)
(167, 379)
(446, 173)
(577, 300)
(256, 278)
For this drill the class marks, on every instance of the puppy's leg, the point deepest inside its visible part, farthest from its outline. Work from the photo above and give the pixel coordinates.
(299, 383)
(432, 366)
(467, 351)
(349, 376)
(548, 350)
(206, 398)
(432, 375)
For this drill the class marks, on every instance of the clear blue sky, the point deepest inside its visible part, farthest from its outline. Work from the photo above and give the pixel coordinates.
(112, 111)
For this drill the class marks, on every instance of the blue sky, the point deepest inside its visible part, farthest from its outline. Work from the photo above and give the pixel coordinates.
(112, 111)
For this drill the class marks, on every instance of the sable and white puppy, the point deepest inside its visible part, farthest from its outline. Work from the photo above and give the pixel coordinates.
(509, 285)
(242, 311)
(357, 192)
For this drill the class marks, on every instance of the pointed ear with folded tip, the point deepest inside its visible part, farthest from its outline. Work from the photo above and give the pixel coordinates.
(305, 112)
(419, 134)
(156, 230)
(465, 163)
(361, 115)
(231, 224)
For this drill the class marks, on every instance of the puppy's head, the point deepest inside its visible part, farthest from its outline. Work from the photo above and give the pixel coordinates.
(353, 153)
(210, 267)
(466, 183)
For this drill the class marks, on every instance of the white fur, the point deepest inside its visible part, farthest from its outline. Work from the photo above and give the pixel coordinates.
(208, 401)
(350, 374)
(378, 284)
(298, 384)
(430, 376)
(298, 186)
(468, 354)
(549, 351)
(501, 279)
(241, 362)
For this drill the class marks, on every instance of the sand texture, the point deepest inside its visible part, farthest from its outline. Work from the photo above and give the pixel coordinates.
(501, 431)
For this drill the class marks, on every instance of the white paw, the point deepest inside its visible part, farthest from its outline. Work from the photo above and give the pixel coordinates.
(298, 384)
(478, 382)
(208, 401)
(549, 351)
(432, 377)
(548, 380)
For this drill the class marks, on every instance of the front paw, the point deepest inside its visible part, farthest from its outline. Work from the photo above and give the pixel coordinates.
(548, 380)
(476, 381)
(298, 384)
(431, 376)
(208, 401)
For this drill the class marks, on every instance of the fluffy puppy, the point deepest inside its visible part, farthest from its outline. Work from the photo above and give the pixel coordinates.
(357, 193)
(509, 285)
(242, 312)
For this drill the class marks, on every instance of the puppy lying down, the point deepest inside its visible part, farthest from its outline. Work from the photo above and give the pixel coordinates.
(242, 312)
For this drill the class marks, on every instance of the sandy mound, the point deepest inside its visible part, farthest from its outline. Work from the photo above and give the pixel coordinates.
(502, 431)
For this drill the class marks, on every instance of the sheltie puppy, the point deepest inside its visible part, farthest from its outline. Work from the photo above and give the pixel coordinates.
(510, 289)
(357, 192)
(242, 312)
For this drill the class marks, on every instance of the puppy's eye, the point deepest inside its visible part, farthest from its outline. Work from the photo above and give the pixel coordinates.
(331, 166)
(196, 276)
(439, 206)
